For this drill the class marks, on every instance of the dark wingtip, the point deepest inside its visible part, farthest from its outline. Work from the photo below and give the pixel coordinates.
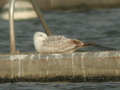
(88, 44)
(99, 46)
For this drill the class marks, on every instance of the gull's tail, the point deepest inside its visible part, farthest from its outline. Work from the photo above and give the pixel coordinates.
(99, 46)
(83, 44)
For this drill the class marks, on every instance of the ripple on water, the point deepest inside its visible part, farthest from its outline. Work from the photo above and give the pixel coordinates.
(60, 86)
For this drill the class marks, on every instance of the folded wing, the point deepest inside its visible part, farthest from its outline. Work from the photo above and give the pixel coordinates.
(58, 44)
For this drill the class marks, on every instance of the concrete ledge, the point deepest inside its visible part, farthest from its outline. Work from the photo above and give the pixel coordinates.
(84, 66)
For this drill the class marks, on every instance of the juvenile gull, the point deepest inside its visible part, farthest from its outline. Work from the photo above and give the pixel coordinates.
(55, 44)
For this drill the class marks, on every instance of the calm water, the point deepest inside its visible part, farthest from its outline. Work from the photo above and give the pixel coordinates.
(100, 26)
(60, 86)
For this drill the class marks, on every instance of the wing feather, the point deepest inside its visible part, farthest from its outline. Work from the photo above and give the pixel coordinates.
(58, 44)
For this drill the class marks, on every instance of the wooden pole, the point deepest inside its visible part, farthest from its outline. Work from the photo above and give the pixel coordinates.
(11, 23)
(40, 15)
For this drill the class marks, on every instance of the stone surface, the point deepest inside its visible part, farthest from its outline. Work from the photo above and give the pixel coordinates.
(77, 66)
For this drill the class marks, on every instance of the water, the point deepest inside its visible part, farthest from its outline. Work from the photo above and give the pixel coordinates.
(100, 26)
(60, 86)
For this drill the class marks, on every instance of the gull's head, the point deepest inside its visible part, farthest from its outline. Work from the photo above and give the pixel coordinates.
(40, 36)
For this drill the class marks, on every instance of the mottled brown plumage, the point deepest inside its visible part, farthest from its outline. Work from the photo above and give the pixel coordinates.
(55, 44)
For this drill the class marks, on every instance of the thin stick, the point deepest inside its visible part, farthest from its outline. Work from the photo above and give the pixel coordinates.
(40, 15)
(11, 24)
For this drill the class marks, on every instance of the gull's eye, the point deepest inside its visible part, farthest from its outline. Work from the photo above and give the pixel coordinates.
(41, 35)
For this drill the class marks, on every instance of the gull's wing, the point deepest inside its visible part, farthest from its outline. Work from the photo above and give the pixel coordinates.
(58, 44)
(56, 38)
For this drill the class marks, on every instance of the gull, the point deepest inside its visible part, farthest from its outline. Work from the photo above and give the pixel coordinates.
(56, 44)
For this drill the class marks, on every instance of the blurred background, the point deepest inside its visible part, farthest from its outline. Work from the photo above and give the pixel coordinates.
(26, 8)
(66, 4)
(72, 4)
(88, 20)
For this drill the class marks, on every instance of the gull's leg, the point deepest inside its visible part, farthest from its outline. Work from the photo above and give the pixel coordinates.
(40, 15)
(11, 23)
